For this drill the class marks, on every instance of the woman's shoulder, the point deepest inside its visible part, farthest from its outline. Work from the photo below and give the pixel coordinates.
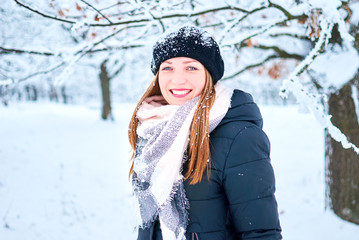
(239, 134)
(242, 113)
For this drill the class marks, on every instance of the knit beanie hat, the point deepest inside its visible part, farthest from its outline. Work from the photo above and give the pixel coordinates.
(189, 42)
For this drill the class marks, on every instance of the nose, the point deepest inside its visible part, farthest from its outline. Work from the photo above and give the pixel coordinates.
(178, 77)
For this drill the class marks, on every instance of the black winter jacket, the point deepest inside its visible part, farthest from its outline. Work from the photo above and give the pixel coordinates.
(237, 202)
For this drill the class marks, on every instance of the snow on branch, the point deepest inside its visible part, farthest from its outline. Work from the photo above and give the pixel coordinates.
(314, 101)
(288, 17)
(319, 46)
(88, 48)
(236, 22)
(173, 14)
(158, 16)
(256, 33)
(71, 58)
(9, 82)
(355, 96)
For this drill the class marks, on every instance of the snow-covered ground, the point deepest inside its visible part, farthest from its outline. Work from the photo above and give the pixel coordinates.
(63, 174)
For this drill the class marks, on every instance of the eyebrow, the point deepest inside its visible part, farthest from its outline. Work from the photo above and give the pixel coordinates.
(191, 61)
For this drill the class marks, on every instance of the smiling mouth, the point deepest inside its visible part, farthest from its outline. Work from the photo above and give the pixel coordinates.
(180, 93)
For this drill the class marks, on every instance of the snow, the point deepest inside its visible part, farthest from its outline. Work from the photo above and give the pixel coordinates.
(297, 142)
(63, 174)
(355, 14)
(64, 171)
(338, 65)
(313, 101)
(355, 97)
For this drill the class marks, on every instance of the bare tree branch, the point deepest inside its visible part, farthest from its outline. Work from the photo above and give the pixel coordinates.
(250, 67)
(110, 48)
(113, 5)
(18, 51)
(43, 14)
(12, 82)
(281, 53)
(118, 71)
(289, 17)
(174, 15)
(82, 53)
(284, 11)
(258, 32)
(116, 48)
(96, 11)
(236, 22)
(301, 37)
(91, 50)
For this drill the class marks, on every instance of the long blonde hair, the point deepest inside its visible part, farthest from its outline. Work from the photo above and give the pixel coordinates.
(199, 151)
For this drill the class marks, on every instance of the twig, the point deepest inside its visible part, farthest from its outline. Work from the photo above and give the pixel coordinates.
(293, 35)
(284, 11)
(18, 51)
(116, 48)
(113, 5)
(280, 52)
(257, 33)
(41, 72)
(43, 14)
(96, 10)
(118, 70)
(141, 20)
(250, 67)
(236, 22)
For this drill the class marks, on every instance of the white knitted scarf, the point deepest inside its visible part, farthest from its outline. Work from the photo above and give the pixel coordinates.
(163, 135)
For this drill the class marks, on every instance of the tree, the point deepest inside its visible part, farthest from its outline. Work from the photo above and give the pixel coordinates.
(343, 164)
(265, 43)
(105, 89)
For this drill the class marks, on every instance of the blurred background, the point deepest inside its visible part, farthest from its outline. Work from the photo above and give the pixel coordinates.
(71, 72)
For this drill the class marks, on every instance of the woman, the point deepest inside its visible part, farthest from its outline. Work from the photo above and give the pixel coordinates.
(201, 166)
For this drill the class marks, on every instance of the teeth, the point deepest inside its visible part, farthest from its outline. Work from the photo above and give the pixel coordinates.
(183, 92)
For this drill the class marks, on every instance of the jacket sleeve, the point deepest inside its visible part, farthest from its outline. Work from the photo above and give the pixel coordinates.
(249, 185)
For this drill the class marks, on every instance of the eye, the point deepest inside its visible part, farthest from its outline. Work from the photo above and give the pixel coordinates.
(192, 68)
(166, 68)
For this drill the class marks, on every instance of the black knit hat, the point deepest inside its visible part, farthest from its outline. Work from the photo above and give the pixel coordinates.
(189, 42)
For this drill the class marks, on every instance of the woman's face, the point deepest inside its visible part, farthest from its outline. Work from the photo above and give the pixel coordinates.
(181, 79)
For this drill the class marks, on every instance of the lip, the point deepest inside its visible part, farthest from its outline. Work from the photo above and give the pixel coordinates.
(180, 92)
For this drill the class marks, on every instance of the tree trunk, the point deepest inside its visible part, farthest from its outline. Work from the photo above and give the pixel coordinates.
(105, 90)
(53, 94)
(342, 173)
(31, 92)
(64, 95)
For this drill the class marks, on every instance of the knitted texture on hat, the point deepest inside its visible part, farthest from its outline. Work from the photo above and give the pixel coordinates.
(189, 42)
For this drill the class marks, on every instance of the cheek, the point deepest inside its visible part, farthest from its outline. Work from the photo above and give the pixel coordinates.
(200, 85)
(161, 83)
